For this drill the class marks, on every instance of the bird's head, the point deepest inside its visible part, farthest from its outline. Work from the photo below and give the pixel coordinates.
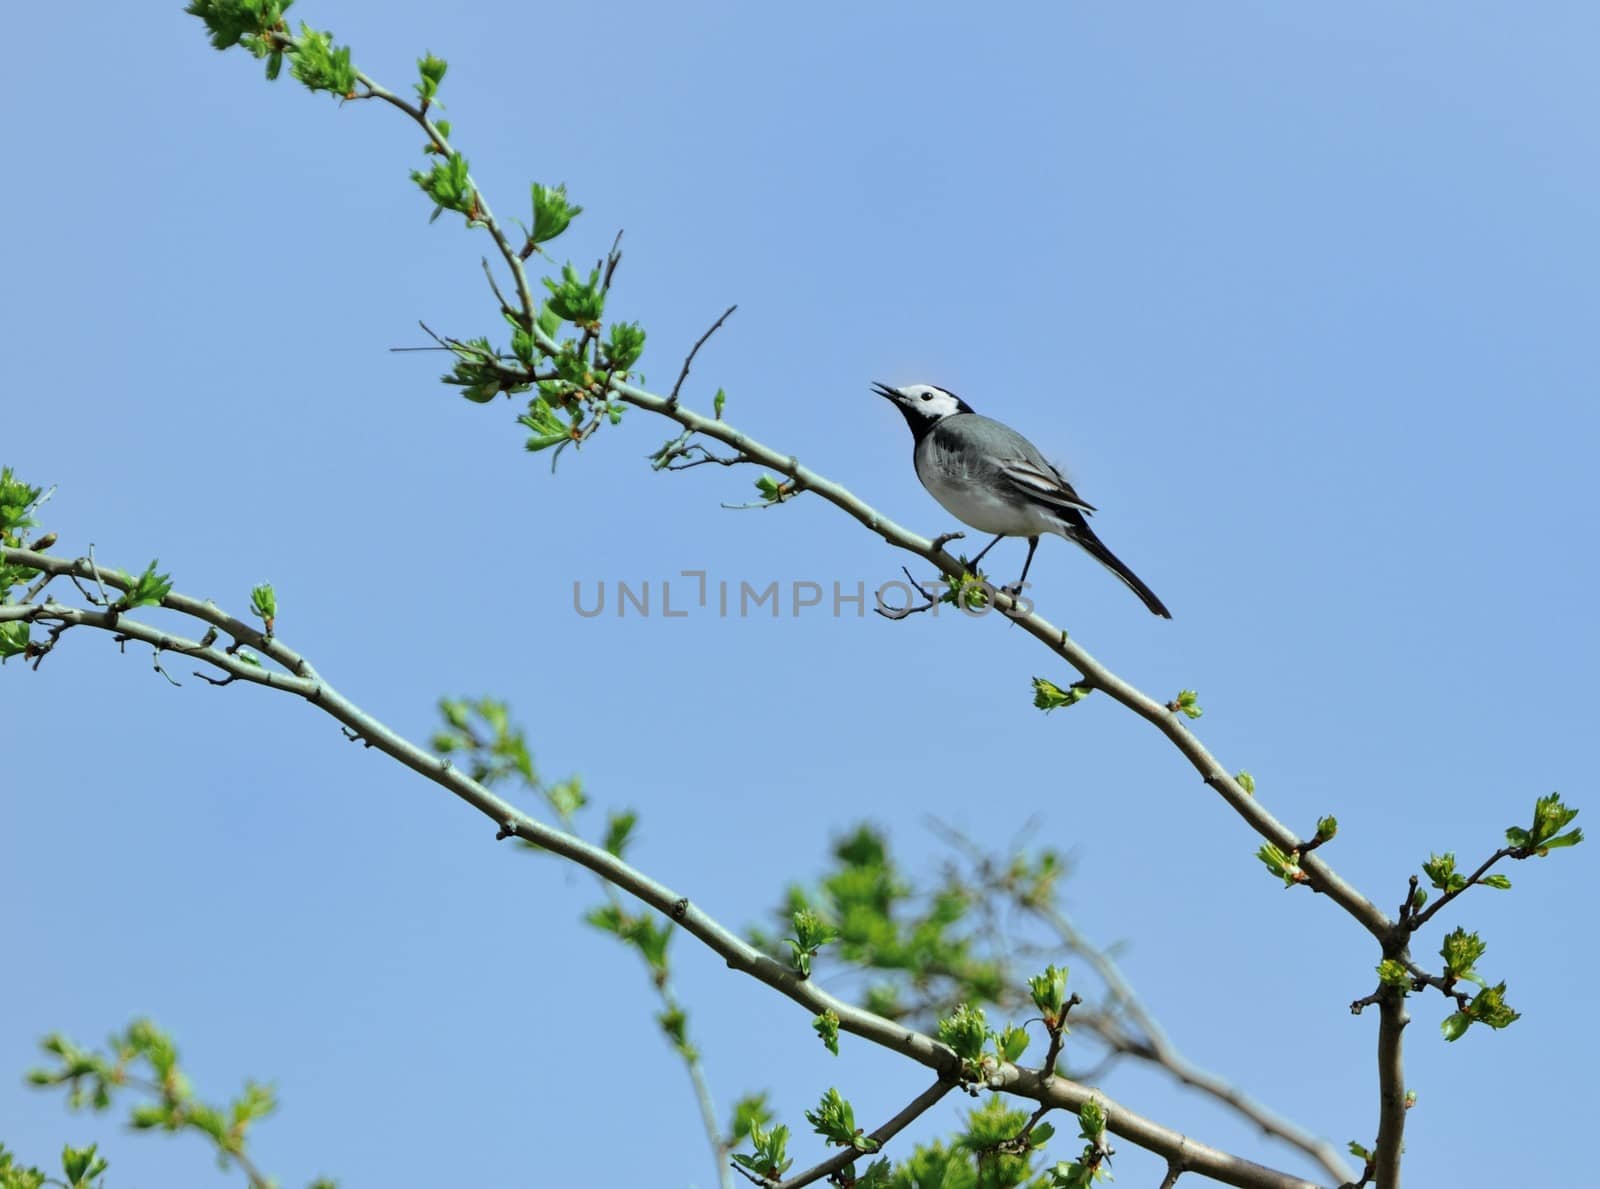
(923, 405)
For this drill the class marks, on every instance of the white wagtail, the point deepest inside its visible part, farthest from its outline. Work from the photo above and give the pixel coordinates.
(992, 478)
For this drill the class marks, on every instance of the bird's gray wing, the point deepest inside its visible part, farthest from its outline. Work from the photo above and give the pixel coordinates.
(1021, 466)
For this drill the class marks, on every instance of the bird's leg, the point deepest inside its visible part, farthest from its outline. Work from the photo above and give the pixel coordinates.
(972, 565)
(1033, 543)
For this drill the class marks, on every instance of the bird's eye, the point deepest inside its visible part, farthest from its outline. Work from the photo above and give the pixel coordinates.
(927, 396)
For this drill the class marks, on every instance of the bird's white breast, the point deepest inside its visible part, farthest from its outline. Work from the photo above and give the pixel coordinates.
(966, 491)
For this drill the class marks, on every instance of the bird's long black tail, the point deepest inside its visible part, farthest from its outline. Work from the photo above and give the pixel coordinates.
(1077, 529)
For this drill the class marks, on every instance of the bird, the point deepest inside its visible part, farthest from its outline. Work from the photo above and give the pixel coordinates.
(993, 479)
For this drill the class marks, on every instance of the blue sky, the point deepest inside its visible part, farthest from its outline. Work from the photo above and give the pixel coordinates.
(1303, 296)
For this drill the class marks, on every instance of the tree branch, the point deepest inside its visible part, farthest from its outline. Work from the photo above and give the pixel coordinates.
(917, 1106)
(1321, 877)
(1416, 922)
(302, 679)
(1155, 1046)
(1392, 1020)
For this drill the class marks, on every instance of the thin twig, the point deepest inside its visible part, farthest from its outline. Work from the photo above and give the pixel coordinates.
(672, 398)
(1416, 922)
(917, 1106)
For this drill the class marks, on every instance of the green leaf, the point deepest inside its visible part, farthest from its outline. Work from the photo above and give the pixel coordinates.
(14, 638)
(1012, 1043)
(811, 934)
(431, 72)
(1281, 864)
(965, 1031)
(1489, 1007)
(1049, 992)
(619, 831)
(1091, 1120)
(1048, 696)
(1455, 1025)
(835, 1120)
(826, 1026)
(147, 590)
(1246, 782)
(576, 299)
(749, 1112)
(717, 403)
(547, 428)
(1327, 827)
(323, 66)
(770, 1157)
(552, 213)
(1495, 881)
(1461, 951)
(1394, 974)
(232, 22)
(1550, 817)
(449, 184)
(1442, 874)
(625, 345)
(264, 604)
(1186, 703)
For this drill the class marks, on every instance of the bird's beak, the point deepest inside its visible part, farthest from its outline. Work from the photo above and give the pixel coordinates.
(885, 391)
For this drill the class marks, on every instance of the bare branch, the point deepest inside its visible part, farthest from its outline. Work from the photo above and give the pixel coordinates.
(1392, 1021)
(672, 398)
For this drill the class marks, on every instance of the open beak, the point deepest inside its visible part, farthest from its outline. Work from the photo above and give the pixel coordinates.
(885, 391)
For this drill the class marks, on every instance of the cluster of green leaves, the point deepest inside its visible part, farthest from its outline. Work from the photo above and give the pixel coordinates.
(1549, 830)
(264, 605)
(449, 184)
(1187, 703)
(144, 1059)
(259, 27)
(1048, 696)
(1462, 949)
(430, 73)
(1461, 952)
(18, 503)
(81, 1168)
(994, 1148)
(997, 1149)
(966, 591)
(1442, 874)
(1089, 1167)
(835, 1120)
(480, 732)
(811, 933)
(826, 1026)
(1285, 865)
(553, 213)
(146, 590)
(775, 491)
(1049, 993)
(967, 1032)
(769, 1156)
(575, 383)
(924, 947)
